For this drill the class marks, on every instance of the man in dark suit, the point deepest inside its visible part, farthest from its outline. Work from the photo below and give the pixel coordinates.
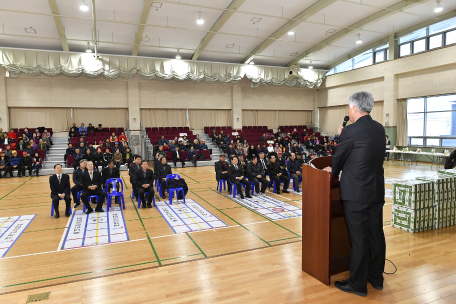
(276, 173)
(221, 169)
(134, 168)
(77, 180)
(256, 175)
(145, 182)
(110, 172)
(360, 157)
(263, 163)
(60, 189)
(237, 178)
(91, 183)
(162, 170)
(295, 169)
(177, 156)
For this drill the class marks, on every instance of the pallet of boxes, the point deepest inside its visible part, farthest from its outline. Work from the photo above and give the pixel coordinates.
(425, 203)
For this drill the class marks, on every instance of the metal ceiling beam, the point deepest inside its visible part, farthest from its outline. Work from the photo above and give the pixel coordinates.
(391, 10)
(398, 34)
(58, 23)
(142, 25)
(302, 16)
(234, 5)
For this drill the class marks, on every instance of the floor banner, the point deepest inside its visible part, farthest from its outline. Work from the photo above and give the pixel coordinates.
(11, 229)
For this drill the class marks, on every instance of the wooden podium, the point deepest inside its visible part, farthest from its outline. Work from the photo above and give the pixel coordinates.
(325, 239)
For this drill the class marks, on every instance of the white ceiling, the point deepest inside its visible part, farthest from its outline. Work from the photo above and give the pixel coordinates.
(173, 27)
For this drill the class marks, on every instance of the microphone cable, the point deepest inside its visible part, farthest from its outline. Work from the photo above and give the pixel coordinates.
(395, 268)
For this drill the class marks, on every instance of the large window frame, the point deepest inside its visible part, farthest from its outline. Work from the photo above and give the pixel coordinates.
(427, 42)
(425, 138)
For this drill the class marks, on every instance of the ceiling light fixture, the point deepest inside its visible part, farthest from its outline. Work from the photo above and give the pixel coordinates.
(178, 56)
(200, 19)
(310, 67)
(359, 41)
(88, 48)
(439, 8)
(252, 62)
(84, 7)
(290, 33)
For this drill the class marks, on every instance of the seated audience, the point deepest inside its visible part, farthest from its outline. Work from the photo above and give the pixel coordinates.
(46, 140)
(25, 139)
(5, 140)
(256, 174)
(108, 156)
(8, 151)
(91, 184)
(30, 150)
(28, 133)
(26, 163)
(127, 157)
(77, 158)
(295, 170)
(203, 146)
(214, 135)
(21, 145)
(123, 136)
(15, 164)
(252, 153)
(145, 183)
(245, 150)
(243, 164)
(91, 148)
(90, 128)
(301, 161)
(192, 155)
(81, 127)
(60, 189)
(276, 174)
(221, 169)
(41, 145)
(236, 173)
(160, 151)
(37, 133)
(162, 171)
(12, 134)
(82, 132)
(107, 144)
(163, 140)
(311, 156)
(77, 180)
(37, 163)
(118, 158)
(134, 168)
(230, 152)
(4, 164)
(98, 159)
(172, 146)
(113, 138)
(165, 147)
(100, 128)
(110, 172)
(88, 155)
(177, 156)
(72, 133)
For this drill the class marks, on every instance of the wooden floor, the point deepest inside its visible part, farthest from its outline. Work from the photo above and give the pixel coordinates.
(254, 260)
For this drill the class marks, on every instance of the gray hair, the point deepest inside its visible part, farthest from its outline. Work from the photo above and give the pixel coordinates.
(90, 162)
(364, 101)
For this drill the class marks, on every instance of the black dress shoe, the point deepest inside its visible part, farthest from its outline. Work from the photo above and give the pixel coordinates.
(285, 191)
(163, 197)
(242, 196)
(99, 210)
(89, 211)
(345, 287)
(278, 192)
(378, 287)
(149, 205)
(76, 205)
(248, 196)
(67, 213)
(57, 215)
(143, 206)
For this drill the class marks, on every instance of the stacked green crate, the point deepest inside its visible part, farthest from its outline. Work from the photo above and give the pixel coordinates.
(413, 205)
(451, 195)
(444, 199)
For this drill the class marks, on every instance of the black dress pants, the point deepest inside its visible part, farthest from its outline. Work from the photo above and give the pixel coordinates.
(143, 190)
(74, 192)
(256, 181)
(19, 170)
(162, 187)
(56, 199)
(286, 182)
(6, 170)
(365, 227)
(295, 178)
(85, 197)
(238, 183)
(29, 168)
(179, 160)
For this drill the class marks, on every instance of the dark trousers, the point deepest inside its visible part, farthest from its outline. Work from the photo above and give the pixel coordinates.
(118, 163)
(179, 160)
(143, 190)
(162, 187)
(365, 227)
(74, 192)
(256, 181)
(6, 170)
(225, 176)
(194, 159)
(286, 181)
(56, 199)
(238, 183)
(97, 164)
(85, 197)
(29, 168)
(135, 190)
(295, 178)
(19, 170)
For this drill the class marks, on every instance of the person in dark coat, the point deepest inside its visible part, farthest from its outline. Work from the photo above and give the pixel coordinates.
(221, 169)
(360, 156)
(145, 182)
(295, 170)
(177, 156)
(256, 175)
(77, 180)
(60, 189)
(91, 184)
(26, 163)
(162, 171)
(237, 178)
(276, 173)
(134, 168)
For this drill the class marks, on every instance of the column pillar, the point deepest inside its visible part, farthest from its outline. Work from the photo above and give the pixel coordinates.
(390, 104)
(4, 113)
(393, 47)
(134, 117)
(236, 108)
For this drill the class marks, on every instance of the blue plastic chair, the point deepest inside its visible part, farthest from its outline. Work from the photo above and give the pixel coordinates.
(171, 191)
(139, 200)
(114, 192)
(97, 198)
(52, 207)
(252, 186)
(220, 183)
(299, 180)
(233, 189)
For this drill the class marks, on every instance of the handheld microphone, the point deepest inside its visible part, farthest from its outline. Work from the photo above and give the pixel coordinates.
(346, 119)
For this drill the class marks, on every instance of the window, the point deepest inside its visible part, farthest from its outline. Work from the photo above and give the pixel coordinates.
(345, 66)
(431, 121)
(380, 56)
(363, 60)
(428, 38)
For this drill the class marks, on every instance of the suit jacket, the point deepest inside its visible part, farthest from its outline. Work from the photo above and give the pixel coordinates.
(86, 181)
(274, 169)
(175, 155)
(132, 172)
(141, 180)
(233, 172)
(62, 188)
(360, 156)
(162, 171)
(254, 170)
(106, 174)
(219, 169)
